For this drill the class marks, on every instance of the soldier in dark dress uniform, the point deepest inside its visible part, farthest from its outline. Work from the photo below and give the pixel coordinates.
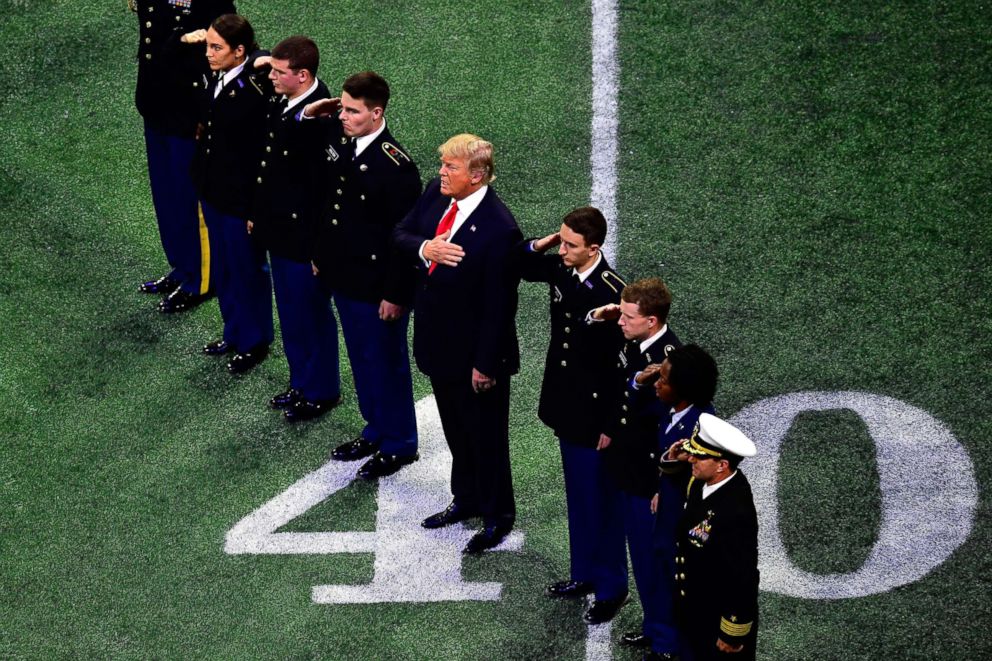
(574, 403)
(716, 561)
(171, 78)
(290, 193)
(630, 440)
(231, 137)
(374, 185)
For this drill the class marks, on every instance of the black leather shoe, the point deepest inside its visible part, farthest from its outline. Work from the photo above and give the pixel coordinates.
(285, 399)
(381, 465)
(164, 285)
(352, 450)
(651, 655)
(489, 537)
(449, 515)
(217, 348)
(635, 639)
(569, 589)
(242, 362)
(304, 409)
(604, 610)
(180, 301)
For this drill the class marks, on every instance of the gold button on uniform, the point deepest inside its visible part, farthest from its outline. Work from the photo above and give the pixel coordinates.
(564, 363)
(268, 150)
(334, 221)
(565, 345)
(259, 180)
(567, 329)
(294, 216)
(595, 395)
(148, 24)
(148, 56)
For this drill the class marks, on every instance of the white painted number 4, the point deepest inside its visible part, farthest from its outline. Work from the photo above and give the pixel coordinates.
(411, 564)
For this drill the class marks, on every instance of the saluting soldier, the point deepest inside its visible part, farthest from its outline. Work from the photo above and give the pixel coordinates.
(374, 186)
(290, 192)
(684, 384)
(224, 172)
(171, 77)
(575, 402)
(716, 562)
(629, 443)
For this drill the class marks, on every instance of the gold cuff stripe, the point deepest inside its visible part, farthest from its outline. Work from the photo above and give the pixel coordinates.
(733, 629)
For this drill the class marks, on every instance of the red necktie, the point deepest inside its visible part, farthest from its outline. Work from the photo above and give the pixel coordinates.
(444, 226)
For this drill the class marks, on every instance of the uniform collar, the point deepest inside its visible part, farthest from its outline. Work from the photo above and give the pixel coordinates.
(585, 274)
(646, 344)
(364, 141)
(301, 98)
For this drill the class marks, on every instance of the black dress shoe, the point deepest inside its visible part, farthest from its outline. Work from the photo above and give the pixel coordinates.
(180, 301)
(285, 399)
(651, 655)
(604, 610)
(381, 465)
(164, 285)
(569, 589)
(352, 450)
(304, 409)
(242, 362)
(217, 348)
(449, 515)
(635, 639)
(489, 537)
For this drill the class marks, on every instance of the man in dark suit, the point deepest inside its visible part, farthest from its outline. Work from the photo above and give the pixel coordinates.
(460, 237)
(574, 403)
(630, 438)
(716, 584)
(374, 183)
(289, 201)
(172, 75)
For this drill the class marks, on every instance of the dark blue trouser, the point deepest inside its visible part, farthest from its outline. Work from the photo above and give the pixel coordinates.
(183, 234)
(595, 525)
(244, 289)
(309, 330)
(380, 365)
(654, 590)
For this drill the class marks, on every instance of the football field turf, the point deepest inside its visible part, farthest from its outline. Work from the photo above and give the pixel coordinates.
(812, 181)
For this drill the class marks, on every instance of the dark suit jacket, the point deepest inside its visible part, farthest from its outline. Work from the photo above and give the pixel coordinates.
(464, 316)
(224, 168)
(366, 199)
(172, 75)
(579, 369)
(289, 199)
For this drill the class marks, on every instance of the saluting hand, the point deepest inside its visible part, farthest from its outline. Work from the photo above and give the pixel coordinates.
(194, 37)
(439, 251)
(251, 226)
(316, 271)
(648, 375)
(609, 312)
(654, 504)
(604, 442)
(262, 61)
(551, 240)
(322, 108)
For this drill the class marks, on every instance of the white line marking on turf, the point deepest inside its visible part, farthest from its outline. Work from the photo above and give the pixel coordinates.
(411, 564)
(598, 642)
(603, 163)
(927, 480)
(605, 122)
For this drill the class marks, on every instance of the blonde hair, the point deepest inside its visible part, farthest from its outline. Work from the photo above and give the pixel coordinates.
(472, 149)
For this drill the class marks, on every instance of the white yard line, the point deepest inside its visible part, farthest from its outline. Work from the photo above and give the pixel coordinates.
(605, 88)
(603, 162)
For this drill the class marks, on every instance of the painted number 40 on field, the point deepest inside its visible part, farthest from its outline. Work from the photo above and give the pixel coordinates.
(922, 523)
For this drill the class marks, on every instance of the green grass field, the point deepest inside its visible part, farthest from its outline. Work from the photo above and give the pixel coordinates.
(810, 178)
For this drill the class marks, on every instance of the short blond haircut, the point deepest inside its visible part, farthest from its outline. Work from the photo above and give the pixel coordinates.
(472, 149)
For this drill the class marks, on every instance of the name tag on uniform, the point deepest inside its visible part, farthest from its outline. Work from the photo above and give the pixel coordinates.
(557, 298)
(331, 154)
(623, 359)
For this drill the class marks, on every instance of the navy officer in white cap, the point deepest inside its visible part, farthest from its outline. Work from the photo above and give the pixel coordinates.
(716, 562)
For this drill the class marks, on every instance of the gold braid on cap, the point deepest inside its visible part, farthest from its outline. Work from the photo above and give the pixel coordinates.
(692, 446)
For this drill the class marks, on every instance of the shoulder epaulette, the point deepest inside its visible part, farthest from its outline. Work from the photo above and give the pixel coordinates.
(394, 153)
(613, 281)
(251, 79)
